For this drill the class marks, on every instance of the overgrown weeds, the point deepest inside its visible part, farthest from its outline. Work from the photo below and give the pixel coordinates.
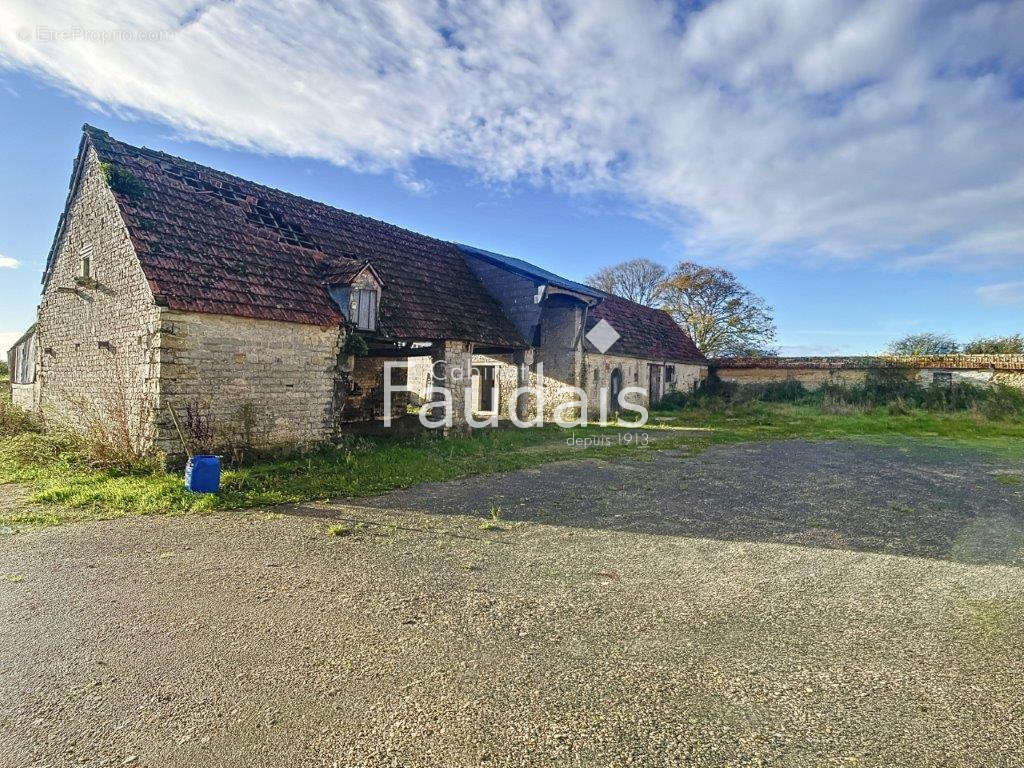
(16, 421)
(494, 522)
(114, 420)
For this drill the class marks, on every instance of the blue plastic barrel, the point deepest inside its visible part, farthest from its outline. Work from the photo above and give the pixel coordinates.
(202, 474)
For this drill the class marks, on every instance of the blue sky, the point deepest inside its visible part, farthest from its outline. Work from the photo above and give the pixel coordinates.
(858, 164)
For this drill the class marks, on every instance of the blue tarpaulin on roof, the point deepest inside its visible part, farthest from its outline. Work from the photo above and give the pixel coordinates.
(526, 268)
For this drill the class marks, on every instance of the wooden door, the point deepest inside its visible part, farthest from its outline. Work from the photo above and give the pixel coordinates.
(654, 383)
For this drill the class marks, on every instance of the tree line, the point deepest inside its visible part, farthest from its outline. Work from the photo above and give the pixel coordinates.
(725, 319)
(944, 344)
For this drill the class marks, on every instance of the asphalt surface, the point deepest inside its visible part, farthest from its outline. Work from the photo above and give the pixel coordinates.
(787, 604)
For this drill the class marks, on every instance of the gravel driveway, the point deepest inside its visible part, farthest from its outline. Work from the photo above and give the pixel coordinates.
(783, 604)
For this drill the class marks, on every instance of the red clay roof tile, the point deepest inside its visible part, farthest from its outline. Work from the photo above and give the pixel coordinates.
(212, 242)
(645, 332)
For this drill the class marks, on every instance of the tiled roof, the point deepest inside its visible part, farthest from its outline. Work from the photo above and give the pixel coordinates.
(344, 271)
(216, 243)
(645, 332)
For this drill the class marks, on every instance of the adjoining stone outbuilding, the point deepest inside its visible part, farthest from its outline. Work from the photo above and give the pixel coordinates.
(171, 287)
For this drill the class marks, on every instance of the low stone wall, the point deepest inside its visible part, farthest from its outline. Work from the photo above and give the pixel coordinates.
(812, 372)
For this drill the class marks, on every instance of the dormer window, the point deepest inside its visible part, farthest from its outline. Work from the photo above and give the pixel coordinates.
(357, 290)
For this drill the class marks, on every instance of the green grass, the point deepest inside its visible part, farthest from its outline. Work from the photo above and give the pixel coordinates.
(763, 421)
(64, 488)
(1005, 478)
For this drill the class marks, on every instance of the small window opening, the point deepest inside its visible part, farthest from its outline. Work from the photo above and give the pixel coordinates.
(942, 378)
(85, 267)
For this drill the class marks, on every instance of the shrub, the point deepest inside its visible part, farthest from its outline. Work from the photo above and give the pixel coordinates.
(199, 429)
(122, 180)
(114, 425)
(355, 345)
(1004, 402)
(890, 388)
(788, 391)
(674, 401)
(924, 344)
(998, 345)
(709, 392)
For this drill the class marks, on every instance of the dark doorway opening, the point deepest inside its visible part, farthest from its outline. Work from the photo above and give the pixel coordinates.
(486, 389)
(613, 392)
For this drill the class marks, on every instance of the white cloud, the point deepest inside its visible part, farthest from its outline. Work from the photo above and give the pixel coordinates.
(1002, 293)
(6, 262)
(847, 129)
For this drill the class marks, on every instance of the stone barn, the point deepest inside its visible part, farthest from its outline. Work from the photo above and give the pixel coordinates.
(173, 289)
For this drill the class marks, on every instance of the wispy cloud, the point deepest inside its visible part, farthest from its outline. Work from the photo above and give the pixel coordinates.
(1002, 293)
(6, 262)
(841, 128)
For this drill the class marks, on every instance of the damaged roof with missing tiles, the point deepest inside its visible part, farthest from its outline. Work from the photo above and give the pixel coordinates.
(212, 242)
(644, 331)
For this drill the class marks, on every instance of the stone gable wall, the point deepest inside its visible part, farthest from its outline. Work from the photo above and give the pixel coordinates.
(95, 339)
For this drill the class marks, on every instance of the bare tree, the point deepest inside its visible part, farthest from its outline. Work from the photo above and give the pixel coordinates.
(924, 344)
(638, 280)
(721, 316)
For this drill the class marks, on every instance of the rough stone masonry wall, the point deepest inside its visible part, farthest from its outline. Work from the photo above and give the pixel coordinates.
(597, 373)
(96, 366)
(24, 396)
(262, 382)
(812, 372)
(812, 378)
